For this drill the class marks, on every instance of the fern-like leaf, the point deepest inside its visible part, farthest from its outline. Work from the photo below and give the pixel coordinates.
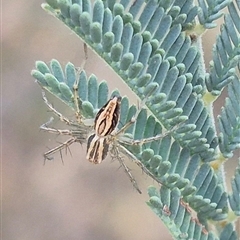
(226, 52)
(211, 11)
(150, 45)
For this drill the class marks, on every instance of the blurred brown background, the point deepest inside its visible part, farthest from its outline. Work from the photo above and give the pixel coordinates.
(76, 200)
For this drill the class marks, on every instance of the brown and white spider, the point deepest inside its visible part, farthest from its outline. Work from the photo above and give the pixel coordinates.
(102, 136)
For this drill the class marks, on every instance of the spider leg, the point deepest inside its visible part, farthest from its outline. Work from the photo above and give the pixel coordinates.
(115, 154)
(128, 172)
(139, 163)
(129, 123)
(79, 134)
(50, 152)
(58, 114)
(77, 100)
(129, 141)
(66, 144)
(85, 49)
(134, 118)
(53, 130)
(76, 136)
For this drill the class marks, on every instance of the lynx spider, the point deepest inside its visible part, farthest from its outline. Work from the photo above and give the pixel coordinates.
(105, 134)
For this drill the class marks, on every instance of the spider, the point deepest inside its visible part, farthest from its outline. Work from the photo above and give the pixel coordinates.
(102, 136)
(97, 145)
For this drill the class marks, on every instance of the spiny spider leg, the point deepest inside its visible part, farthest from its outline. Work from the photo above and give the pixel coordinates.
(128, 172)
(66, 144)
(76, 98)
(116, 155)
(139, 163)
(79, 134)
(85, 49)
(129, 141)
(53, 130)
(129, 123)
(60, 116)
(61, 146)
(67, 149)
(80, 128)
(134, 118)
